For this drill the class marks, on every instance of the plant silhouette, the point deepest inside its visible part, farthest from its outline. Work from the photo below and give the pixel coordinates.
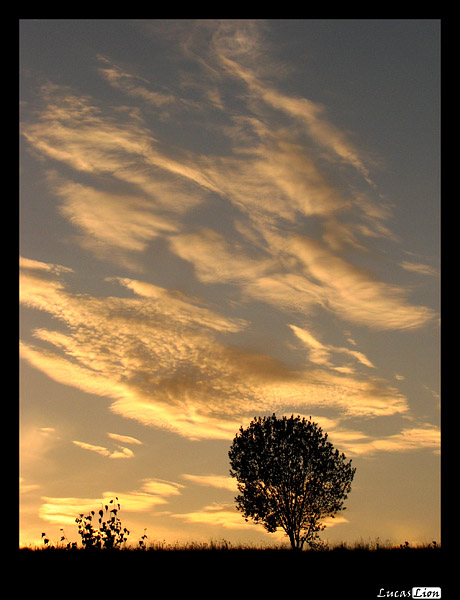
(289, 476)
(109, 535)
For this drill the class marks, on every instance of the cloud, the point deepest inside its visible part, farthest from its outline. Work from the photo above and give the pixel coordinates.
(114, 149)
(36, 265)
(162, 487)
(124, 439)
(233, 44)
(94, 139)
(270, 177)
(175, 305)
(300, 275)
(226, 516)
(132, 85)
(97, 449)
(320, 353)
(273, 186)
(353, 294)
(419, 268)
(152, 493)
(217, 481)
(423, 436)
(217, 260)
(170, 360)
(156, 356)
(120, 453)
(25, 488)
(217, 515)
(64, 511)
(409, 439)
(336, 520)
(36, 445)
(115, 220)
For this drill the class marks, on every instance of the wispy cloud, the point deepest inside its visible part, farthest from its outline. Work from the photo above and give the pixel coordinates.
(157, 356)
(419, 268)
(185, 311)
(63, 511)
(309, 113)
(217, 515)
(124, 439)
(226, 516)
(165, 358)
(115, 220)
(162, 487)
(354, 294)
(217, 481)
(423, 437)
(25, 488)
(120, 453)
(273, 186)
(419, 436)
(319, 353)
(132, 85)
(216, 259)
(35, 446)
(36, 265)
(152, 493)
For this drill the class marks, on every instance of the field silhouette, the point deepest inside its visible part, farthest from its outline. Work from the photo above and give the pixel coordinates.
(219, 569)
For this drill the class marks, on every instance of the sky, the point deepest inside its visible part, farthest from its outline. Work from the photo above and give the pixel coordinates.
(221, 220)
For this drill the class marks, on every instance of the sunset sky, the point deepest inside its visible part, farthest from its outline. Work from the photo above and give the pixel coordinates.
(221, 220)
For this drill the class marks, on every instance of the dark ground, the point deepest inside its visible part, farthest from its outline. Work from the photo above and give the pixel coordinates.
(347, 574)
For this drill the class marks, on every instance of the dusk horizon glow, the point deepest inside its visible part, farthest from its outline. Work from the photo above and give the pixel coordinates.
(221, 220)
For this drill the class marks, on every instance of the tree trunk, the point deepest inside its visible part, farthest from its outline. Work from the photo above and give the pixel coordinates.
(292, 540)
(296, 544)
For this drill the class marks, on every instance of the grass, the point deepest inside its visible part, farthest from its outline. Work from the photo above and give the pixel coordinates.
(219, 569)
(218, 546)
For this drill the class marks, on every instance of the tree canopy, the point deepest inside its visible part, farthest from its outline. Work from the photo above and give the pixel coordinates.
(289, 476)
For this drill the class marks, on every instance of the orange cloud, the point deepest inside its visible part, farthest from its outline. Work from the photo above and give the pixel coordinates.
(132, 85)
(156, 356)
(268, 180)
(124, 439)
(63, 511)
(319, 353)
(354, 294)
(307, 112)
(153, 492)
(121, 453)
(116, 220)
(218, 515)
(217, 481)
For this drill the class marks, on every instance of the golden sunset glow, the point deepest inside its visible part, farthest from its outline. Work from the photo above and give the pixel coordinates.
(224, 219)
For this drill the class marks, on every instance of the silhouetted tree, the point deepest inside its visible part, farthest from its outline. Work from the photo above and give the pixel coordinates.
(289, 476)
